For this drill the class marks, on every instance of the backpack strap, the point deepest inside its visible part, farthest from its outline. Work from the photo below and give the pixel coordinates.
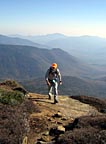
(52, 71)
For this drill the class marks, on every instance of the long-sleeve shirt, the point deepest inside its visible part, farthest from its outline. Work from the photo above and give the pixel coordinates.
(53, 75)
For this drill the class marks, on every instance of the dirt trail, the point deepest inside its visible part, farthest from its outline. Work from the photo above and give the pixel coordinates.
(52, 115)
(67, 106)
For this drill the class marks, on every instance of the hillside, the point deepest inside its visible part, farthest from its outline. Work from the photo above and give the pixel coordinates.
(36, 120)
(91, 49)
(71, 86)
(18, 41)
(26, 62)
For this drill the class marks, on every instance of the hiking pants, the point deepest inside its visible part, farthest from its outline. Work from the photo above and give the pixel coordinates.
(53, 89)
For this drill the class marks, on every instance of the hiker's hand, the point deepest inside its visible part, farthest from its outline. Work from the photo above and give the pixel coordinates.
(60, 83)
(48, 83)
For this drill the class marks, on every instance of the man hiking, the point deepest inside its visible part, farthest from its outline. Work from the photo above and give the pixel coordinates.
(53, 78)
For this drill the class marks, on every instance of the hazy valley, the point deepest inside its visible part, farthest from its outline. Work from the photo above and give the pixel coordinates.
(24, 60)
(91, 49)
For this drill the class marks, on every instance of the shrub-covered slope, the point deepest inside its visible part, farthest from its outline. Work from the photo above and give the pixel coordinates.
(30, 118)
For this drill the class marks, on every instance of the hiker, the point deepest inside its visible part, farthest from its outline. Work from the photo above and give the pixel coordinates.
(53, 79)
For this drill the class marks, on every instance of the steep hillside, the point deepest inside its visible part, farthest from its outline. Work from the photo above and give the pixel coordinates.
(24, 62)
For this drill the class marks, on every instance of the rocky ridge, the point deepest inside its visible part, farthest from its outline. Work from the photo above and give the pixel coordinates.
(36, 120)
(54, 120)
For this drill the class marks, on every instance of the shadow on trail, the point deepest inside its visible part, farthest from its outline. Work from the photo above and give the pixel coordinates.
(42, 100)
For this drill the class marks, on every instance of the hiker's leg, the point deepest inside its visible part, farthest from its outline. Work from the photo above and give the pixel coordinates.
(56, 92)
(50, 88)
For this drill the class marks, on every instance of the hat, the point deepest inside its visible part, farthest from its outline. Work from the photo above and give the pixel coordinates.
(54, 65)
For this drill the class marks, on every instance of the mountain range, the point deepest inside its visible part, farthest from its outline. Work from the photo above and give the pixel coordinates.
(23, 61)
(19, 41)
(91, 49)
(28, 117)
(41, 39)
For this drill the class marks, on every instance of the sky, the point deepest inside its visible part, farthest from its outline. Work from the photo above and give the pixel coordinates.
(69, 17)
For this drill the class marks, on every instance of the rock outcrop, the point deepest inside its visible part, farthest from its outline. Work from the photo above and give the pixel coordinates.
(37, 120)
(62, 123)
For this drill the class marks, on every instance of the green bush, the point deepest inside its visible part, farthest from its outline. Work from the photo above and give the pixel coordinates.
(11, 97)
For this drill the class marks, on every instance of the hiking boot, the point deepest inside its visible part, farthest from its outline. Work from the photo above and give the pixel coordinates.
(55, 101)
(49, 97)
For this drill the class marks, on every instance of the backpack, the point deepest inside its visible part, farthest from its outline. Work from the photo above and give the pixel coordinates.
(52, 71)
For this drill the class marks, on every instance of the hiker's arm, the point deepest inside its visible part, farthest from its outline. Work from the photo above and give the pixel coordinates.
(59, 75)
(46, 77)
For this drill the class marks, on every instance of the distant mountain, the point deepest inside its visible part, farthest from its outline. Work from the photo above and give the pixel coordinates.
(91, 49)
(18, 41)
(42, 39)
(24, 62)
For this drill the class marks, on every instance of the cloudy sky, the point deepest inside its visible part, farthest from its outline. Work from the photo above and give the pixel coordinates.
(69, 17)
